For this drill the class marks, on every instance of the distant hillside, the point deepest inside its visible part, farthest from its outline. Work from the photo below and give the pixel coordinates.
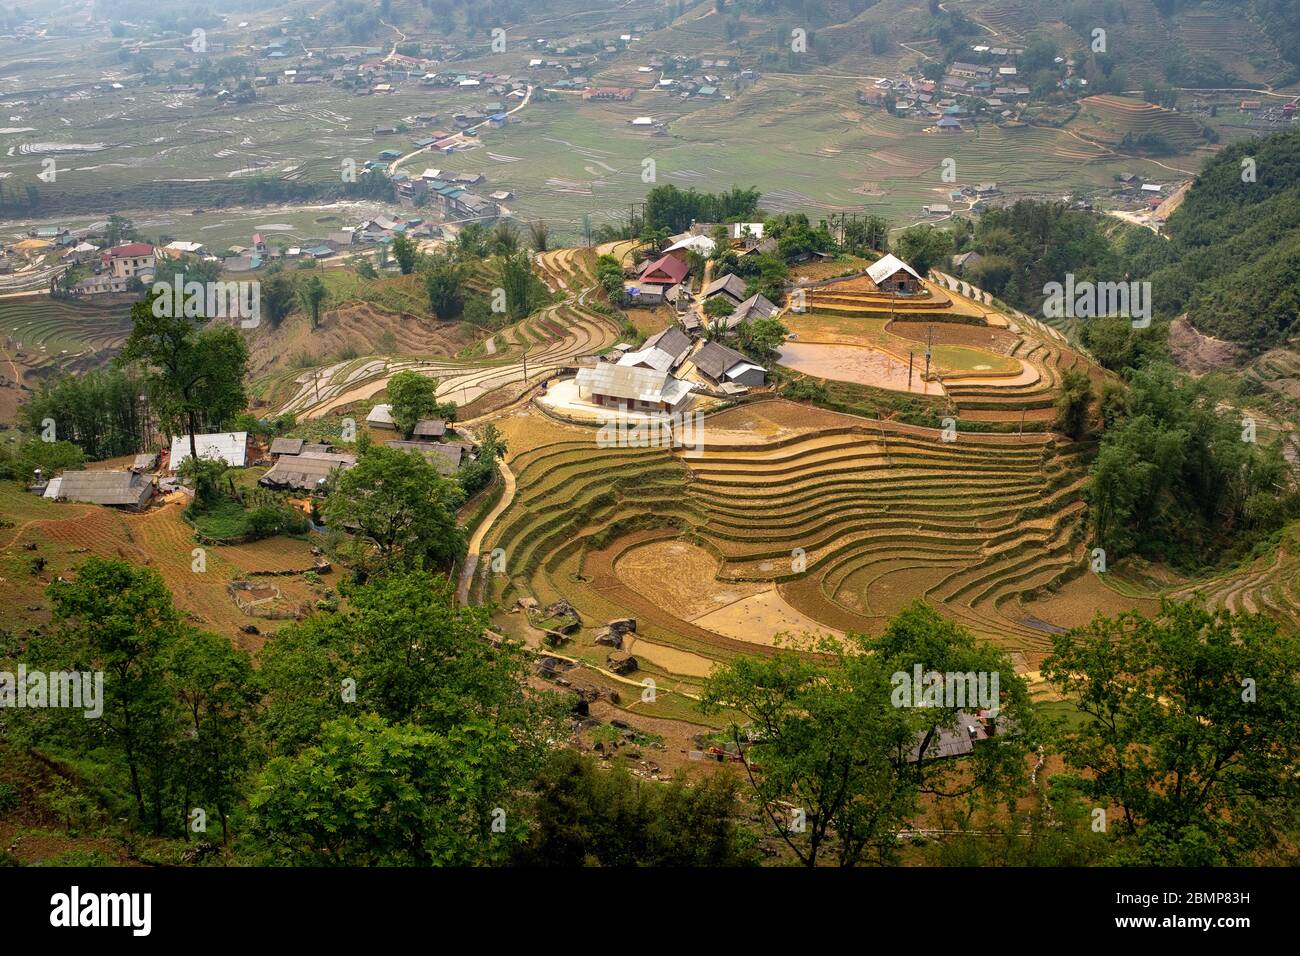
(1232, 259)
(1136, 125)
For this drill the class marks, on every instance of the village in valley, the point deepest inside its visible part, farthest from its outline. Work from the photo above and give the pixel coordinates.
(590, 426)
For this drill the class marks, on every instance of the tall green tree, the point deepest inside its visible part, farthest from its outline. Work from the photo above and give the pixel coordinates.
(405, 253)
(827, 737)
(412, 397)
(400, 506)
(214, 685)
(119, 619)
(312, 294)
(443, 277)
(591, 816)
(195, 374)
(924, 248)
(1074, 403)
(517, 282)
(373, 793)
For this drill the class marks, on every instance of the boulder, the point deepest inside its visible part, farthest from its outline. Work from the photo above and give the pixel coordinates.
(621, 662)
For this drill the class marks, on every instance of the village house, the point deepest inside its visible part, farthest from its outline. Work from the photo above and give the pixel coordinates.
(307, 471)
(662, 352)
(430, 428)
(964, 260)
(131, 260)
(446, 457)
(892, 274)
(632, 389)
(731, 285)
(381, 416)
(665, 271)
(720, 365)
(230, 447)
(757, 306)
(286, 446)
(119, 489)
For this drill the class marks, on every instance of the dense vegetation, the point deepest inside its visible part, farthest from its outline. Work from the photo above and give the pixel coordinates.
(390, 732)
(675, 209)
(1230, 262)
(1182, 479)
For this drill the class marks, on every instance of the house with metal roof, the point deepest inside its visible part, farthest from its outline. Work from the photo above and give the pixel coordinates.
(119, 489)
(665, 271)
(286, 446)
(444, 456)
(430, 428)
(721, 364)
(673, 341)
(632, 388)
(230, 447)
(381, 416)
(730, 285)
(892, 274)
(307, 471)
(757, 306)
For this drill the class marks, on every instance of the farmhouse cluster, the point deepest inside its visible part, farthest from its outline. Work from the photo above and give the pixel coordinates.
(291, 464)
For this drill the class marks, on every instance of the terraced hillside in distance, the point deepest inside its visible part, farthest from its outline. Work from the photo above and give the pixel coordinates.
(41, 337)
(1109, 119)
(502, 365)
(63, 534)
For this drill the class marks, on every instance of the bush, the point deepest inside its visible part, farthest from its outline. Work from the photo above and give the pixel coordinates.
(269, 520)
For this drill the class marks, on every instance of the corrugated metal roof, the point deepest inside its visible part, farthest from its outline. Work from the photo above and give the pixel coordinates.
(381, 415)
(714, 360)
(445, 457)
(306, 470)
(430, 428)
(286, 446)
(671, 340)
(231, 447)
(654, 358)
(101, 487)
(886, 267)
(622, 381)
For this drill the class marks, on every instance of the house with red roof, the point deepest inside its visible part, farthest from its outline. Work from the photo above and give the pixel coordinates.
(667, 271)
(131, 259)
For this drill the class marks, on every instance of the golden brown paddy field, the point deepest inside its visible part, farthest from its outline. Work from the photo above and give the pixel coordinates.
(990, 368)
(815, 521)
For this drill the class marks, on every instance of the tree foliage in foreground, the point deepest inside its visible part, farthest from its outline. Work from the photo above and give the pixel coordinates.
(825, 747)
(1192, 737)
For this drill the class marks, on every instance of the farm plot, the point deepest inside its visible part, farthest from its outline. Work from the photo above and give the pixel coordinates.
(64, 534)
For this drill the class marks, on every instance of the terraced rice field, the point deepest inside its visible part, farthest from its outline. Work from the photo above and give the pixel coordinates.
(523, 353)
(1270, 585)
(59, 331)
(835, 525)
(991, 367)
(1108, 119)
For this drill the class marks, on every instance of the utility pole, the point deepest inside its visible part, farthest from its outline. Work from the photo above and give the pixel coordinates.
(910, 356)
(929, 343)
